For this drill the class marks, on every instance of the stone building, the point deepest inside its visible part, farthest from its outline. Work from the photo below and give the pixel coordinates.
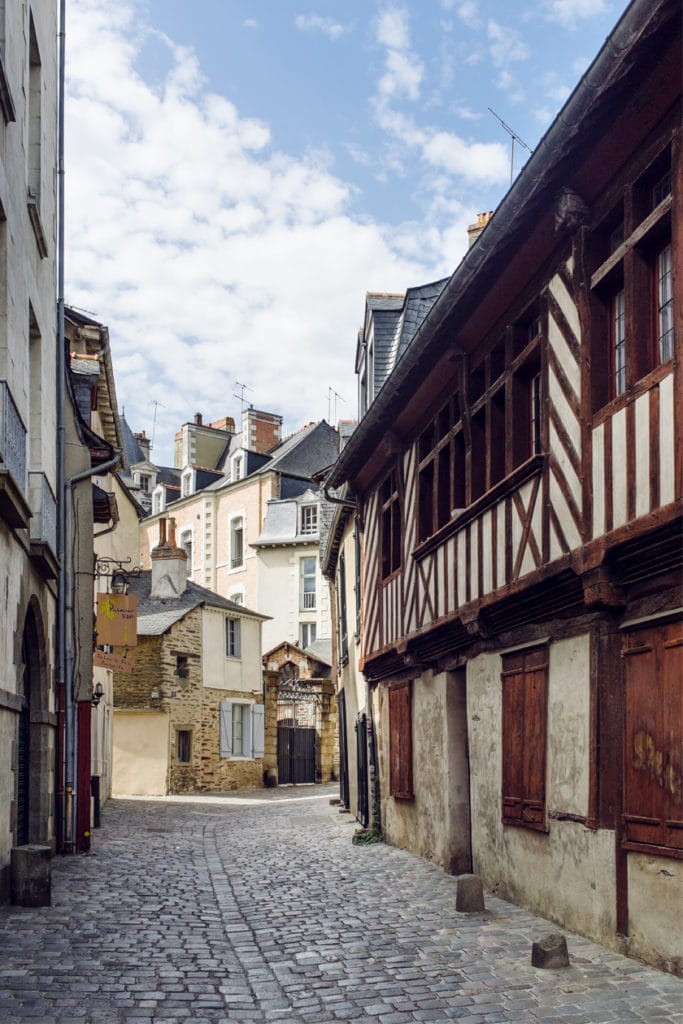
(189, 712)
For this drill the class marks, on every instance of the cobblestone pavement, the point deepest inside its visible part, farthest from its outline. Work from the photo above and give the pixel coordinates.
(258, 908)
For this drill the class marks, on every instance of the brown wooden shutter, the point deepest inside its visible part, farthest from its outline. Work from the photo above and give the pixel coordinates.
(400, 742)
(653, 758)
(525, 716)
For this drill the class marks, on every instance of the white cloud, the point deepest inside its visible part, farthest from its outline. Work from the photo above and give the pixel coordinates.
(569, 12)
(506, 45)
(250, 23)
(468, 12)
(403, 69)
(212, 256)
(317, 23)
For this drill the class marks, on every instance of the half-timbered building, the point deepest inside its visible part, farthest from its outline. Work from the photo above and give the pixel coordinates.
(517, 480)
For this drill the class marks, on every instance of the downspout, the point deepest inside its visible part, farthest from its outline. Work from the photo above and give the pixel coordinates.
(63, 724)
(70, 738)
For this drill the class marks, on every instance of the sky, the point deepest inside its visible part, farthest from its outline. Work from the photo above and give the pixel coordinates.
(239, 173)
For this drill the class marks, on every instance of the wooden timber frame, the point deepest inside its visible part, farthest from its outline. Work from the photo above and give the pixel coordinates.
(564, 491)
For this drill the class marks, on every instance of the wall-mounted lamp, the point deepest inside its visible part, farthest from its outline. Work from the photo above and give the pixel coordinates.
(97, 694)
(119, 582)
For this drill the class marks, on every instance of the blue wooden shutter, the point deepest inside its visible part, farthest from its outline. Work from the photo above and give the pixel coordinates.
(258, 726)
(225, 728)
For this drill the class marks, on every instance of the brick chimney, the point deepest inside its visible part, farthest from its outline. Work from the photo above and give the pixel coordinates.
(474, 230)
(261, 431)
(198, 419)
(169, 564)
(145, 444)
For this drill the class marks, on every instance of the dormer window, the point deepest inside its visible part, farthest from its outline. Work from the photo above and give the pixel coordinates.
(186, 484)
(158, 501)
(309, 519)
(237, 470)
(145, 482)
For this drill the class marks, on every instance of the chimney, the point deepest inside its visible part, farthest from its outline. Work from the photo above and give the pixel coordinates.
(198, 419)
(169, 564)
(145, 444)
(474, 230)
(261, 431)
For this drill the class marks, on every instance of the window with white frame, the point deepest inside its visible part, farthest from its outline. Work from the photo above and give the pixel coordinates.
(186, 484)
(237, 542)
(307, 634)
(309, 519)
(237, 464)
(186, 545)
(233, 638)
(158, 501)
(145, 482)
(307, 568)
(237, 597)
(241, 729)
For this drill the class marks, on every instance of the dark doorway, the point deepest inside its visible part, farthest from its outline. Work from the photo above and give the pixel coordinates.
(362, 767)
(295, 753)
(344, 795)
(24, 748)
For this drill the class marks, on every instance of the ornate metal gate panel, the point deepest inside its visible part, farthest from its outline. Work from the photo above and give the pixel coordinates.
(297, 729)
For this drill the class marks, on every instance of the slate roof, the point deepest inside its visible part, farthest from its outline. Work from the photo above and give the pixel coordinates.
(386, 311)
(156, 616)
(132, 452)
(418, 301)
(281, 521)
(321, 650)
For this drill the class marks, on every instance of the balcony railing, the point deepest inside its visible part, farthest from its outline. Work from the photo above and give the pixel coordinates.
(308, 601)
(12, 438)
(44, 507)
(14, 507)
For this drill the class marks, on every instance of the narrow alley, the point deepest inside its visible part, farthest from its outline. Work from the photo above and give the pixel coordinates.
(259, 908)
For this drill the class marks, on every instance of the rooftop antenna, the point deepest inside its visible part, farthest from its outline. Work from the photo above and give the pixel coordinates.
(514, 137)
(154, 421)
(330, 393)
(240, 397)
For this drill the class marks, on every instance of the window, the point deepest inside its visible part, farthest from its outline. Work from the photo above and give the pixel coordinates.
(237, 468)
(665, 304)
(182, 666)
(186, 545)
(144, 482)
(237, 542)
(157, 502)
(391, 525)
(618, 343)
(34, 118)
(307, 634)
(632, 312)
(525, 700)
(341, 610)
(401, 742)
(237, 597)
(309, 518)
(184, 745)
(233, 638)
(653, 781)
(536, 414)
(241, 729)
(308, 571)
(186, 484)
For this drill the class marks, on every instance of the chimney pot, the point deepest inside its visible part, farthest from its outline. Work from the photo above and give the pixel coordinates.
(198, 419)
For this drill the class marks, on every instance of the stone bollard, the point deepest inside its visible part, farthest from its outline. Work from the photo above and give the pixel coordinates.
(31, 876)
(270, 778)
(550, 952)
(469, 895)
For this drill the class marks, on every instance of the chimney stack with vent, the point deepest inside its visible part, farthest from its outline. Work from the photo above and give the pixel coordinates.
(198, 419)
(169, 564)
(145, 444)
(474, 230)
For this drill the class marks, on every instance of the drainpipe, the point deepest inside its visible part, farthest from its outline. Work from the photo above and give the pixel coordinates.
(60, 679)
(70, 731)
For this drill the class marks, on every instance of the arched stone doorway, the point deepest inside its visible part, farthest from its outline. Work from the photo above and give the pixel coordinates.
(34, 760)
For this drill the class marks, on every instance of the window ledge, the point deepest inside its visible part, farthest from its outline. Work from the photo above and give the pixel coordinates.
(14, 508)
(36, 224)
(650, 850)
(505, 486)
(530, 826)
(633, 392)
(6, 101)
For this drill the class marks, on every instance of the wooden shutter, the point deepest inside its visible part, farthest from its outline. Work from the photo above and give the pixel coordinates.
(225, 727)
(400, 742)
(653, 755)
(258, 731)
(525, 725)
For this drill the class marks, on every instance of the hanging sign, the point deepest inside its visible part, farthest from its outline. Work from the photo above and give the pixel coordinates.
(117, 661)
(117, 620)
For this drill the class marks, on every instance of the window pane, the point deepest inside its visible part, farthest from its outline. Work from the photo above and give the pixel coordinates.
(238, 729)
(619, 343)
(236, 543)
(665, 305)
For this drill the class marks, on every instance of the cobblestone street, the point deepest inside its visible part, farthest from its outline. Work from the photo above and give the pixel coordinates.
(258, 908)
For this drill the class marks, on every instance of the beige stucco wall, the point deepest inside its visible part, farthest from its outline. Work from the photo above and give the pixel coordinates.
(655, 903)
(242, 674)
(434, 823)
(278, 587)
(140, 753)
(567, 874)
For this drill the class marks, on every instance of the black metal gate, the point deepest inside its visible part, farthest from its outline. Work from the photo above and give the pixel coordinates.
(362, 765)
(344, 794)
(295, 753)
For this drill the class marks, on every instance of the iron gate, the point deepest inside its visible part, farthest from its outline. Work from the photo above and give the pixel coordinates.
(295, 753)
(362, 767)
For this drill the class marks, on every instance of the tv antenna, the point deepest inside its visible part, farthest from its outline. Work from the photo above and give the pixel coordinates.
(514, 137)
(156, 405)
(240, 397)
(330, 393)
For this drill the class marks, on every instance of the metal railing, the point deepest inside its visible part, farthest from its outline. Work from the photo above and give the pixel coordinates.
(44, 507)
(12, 438)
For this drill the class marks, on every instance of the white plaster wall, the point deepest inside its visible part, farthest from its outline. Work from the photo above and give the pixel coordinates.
(140, 761)
(566, 875)
(221, 672)
(669, 488)
(655, 904)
